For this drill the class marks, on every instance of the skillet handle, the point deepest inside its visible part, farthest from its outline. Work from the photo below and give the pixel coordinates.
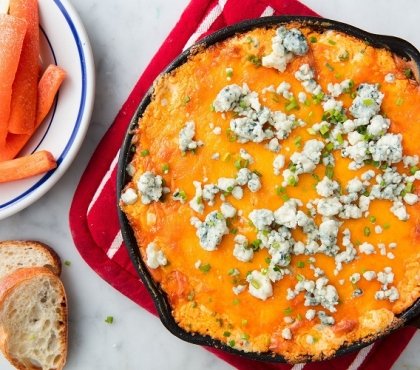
(415, 322)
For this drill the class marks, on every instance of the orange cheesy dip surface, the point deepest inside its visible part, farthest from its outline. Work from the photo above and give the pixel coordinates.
(274, 191)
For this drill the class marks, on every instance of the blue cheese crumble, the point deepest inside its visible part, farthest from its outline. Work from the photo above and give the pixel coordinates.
(129, 196)
(211, 231)
(196, 203)
(228, 211)
(286, 215)
(285, 44)
(387, 149)
(278, 164)
(155, 257)
(368, 101)
(259, 285)
(150, 187)
(328, 231)
(241, 250)
(327, 187)
(306, 75)
(261, 218)
(306, 161)
(186, 138)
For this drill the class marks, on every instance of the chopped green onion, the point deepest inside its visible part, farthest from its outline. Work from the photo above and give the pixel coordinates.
(324, 129)
(245, 336)
(232, 343)
(300, 264)
(340, 139)
(329, 171)
(329, 66)
(243, 104)
(288, 311)
(313, 39)
(285, 197)
(368, 102)
(408, 73)
(292, 167)
(300, 277)
(226, 334)
(399, 101)
(366, 231)
(205, 268)
(255, 284)
(236, 301)
(229, 72)
(165, 168)
(386, 226)
(256, 244)
(231, 135)
(280, 190)
(292, 181)
(254, 59)
(409, 187)
(318, 98)
(413, 170)
(293, 104)
(332, 42)
(144, 152)
(241, 163)
(298, 141)
(329, 147)
(67, 263)
(109, 319)
(233, 272)
(372, 219)
(187, 99)
(182, 194)
(316, 177)
(344, 56)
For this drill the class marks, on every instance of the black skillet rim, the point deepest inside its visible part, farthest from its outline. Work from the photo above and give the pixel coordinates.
(396, 45)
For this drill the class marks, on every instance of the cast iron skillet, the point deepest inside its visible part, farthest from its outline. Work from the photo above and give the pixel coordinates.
(398, 46)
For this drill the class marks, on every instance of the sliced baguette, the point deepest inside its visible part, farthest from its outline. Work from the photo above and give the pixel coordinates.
(16, 254)
(33, 319)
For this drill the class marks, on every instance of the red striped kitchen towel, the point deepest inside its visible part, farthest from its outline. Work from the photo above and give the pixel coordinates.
(93, 213)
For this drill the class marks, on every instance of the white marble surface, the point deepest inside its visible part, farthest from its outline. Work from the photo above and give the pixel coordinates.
(125, 35)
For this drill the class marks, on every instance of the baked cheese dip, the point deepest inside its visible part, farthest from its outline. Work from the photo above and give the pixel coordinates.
(274, 193)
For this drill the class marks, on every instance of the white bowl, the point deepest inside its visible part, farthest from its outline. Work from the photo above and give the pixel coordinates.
(63, 42)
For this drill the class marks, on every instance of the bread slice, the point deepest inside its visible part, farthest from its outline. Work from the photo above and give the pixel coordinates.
(15, 254)
(33, 319)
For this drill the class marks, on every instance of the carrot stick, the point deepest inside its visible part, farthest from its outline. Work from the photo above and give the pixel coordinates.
(47, 89)
(24, 92)
(12, 33)
(23, 167)
(48, 86)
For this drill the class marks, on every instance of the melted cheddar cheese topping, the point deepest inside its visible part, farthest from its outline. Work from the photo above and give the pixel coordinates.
(274, 191)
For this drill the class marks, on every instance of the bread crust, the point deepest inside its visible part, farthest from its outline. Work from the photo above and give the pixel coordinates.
(55, 266)
(14, 280)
